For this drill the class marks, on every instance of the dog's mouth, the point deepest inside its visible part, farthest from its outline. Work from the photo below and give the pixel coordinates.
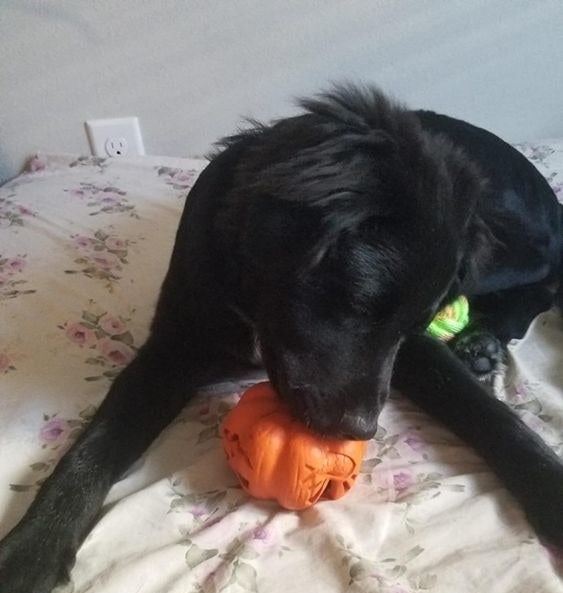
(325, 415)
(347, 412)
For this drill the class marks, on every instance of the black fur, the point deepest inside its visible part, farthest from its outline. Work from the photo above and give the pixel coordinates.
(332, 238)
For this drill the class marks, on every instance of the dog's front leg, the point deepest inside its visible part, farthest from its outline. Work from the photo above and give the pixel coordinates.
(431, 375)
(40, 550)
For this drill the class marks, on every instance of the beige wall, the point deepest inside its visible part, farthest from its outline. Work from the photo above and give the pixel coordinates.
(190, 68)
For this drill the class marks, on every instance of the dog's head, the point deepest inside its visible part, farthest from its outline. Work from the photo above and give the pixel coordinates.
(352, 235)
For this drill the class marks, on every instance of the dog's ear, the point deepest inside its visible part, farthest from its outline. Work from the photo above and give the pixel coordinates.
(302, 204)
(367, 197)
(298, 235)
(345, 213)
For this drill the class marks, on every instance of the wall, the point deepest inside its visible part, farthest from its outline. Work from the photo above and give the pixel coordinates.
(190, 69)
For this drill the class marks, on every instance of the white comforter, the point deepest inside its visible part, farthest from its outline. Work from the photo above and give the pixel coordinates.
(84, 245)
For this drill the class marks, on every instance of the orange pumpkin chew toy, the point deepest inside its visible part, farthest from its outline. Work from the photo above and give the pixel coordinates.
(276, 457)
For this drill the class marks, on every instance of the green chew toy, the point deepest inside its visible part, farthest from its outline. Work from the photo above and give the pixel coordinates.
(450, 320)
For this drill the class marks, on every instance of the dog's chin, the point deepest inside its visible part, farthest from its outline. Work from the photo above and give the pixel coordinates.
(364, 433)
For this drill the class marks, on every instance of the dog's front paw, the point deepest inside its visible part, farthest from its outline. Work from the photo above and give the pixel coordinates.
(481, 352)
(31, 565)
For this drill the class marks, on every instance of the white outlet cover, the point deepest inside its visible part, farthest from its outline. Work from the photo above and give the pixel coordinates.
(105, 134)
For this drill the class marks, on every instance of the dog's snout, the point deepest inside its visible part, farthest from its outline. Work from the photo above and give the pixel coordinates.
(330, 416)
(357, 428)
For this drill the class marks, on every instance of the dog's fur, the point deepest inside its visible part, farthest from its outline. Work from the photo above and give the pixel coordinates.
(331, 239)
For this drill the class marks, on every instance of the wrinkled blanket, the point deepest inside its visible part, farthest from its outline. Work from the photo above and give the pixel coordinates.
(84, 245)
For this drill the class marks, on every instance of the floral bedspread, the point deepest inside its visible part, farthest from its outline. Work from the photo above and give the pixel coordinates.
(84, 245)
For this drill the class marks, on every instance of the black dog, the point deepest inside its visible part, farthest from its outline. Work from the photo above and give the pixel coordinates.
(329, 241)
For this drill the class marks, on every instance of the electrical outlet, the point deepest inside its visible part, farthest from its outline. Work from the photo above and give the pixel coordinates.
(116, 137)
(116, 146)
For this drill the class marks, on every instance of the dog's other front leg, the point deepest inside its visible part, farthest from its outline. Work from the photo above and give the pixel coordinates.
(427, 372)
(144, 398)
(195, 335)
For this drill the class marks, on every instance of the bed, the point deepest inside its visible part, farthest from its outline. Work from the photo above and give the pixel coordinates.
(84, 245)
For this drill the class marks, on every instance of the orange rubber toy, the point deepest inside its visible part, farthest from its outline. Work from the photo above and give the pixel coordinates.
(277, 457)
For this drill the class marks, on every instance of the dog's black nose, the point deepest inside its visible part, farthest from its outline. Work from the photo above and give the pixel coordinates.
(356, 428)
